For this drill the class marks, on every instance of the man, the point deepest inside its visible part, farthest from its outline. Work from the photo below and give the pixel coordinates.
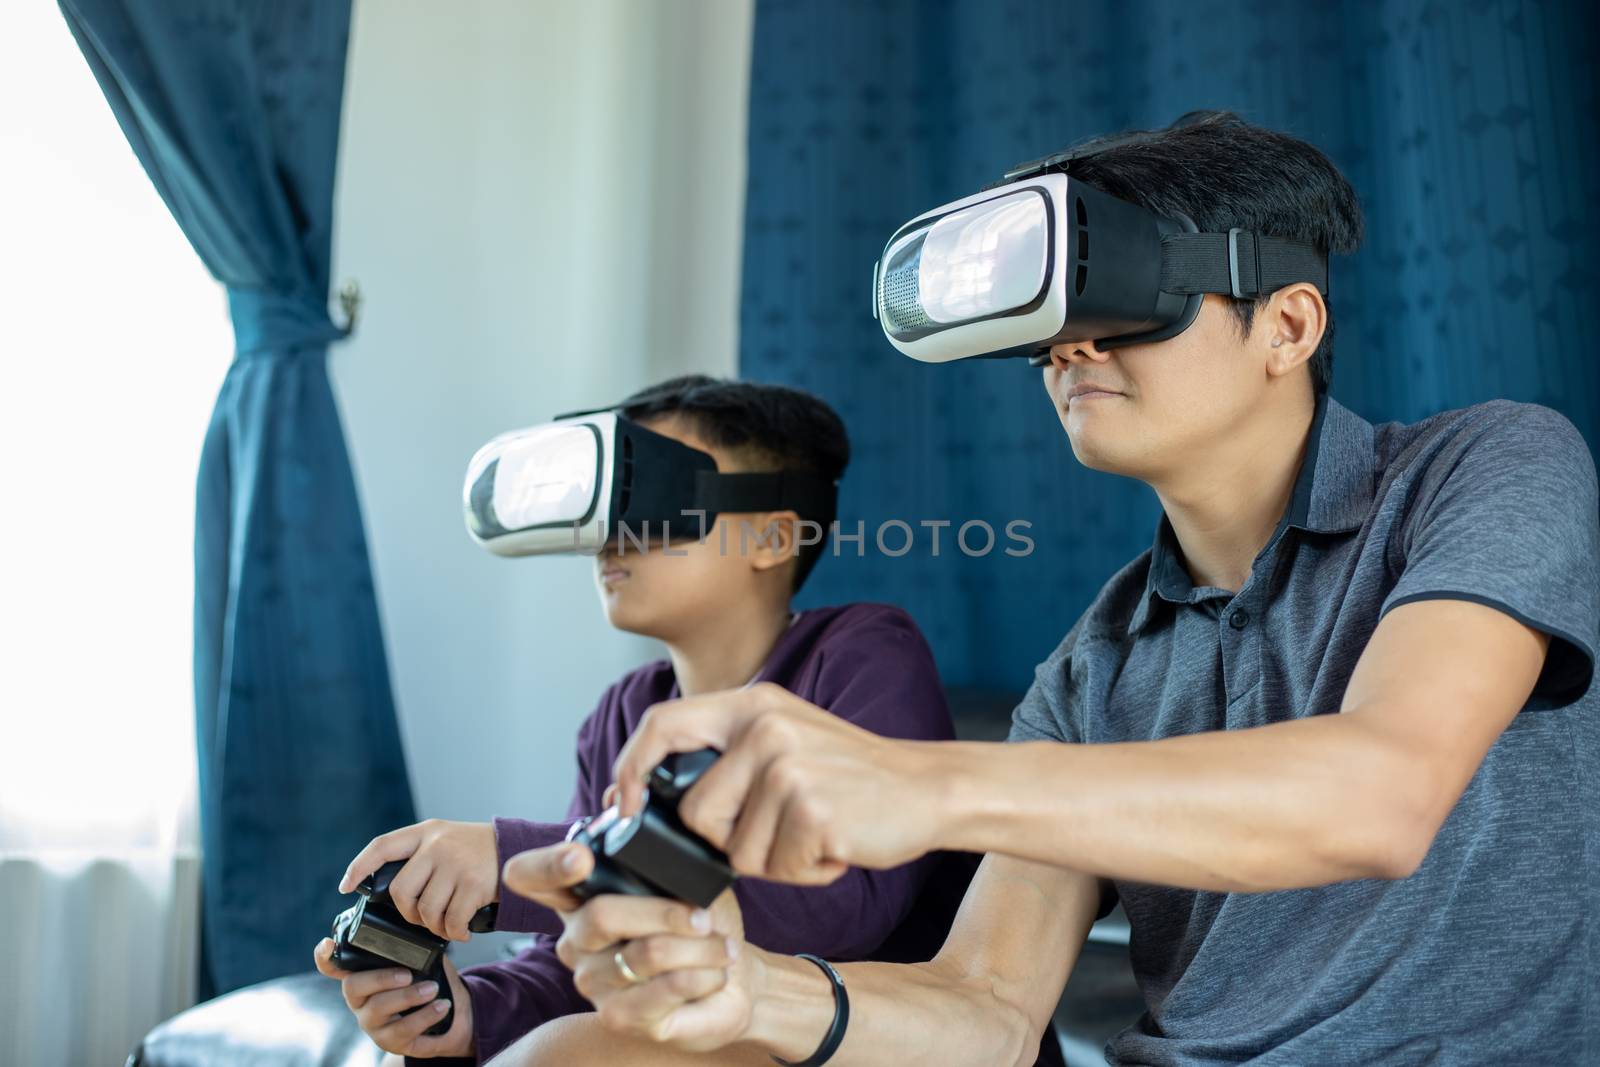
(721, 607)
(1332, 741)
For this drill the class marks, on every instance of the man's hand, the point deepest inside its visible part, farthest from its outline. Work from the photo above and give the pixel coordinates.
(692, 976)
(450, 872)
(695, 974)
(377, 999)
(799, 795)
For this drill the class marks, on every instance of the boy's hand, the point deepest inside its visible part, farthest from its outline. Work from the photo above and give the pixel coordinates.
(451, 871)
(378, 997)
(693, 976)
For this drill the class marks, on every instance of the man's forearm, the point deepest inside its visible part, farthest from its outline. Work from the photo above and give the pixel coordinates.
(898, 1013)
(922, 1012)
(1293, 804)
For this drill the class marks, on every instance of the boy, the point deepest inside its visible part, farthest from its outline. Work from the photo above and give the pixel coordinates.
(726, 621)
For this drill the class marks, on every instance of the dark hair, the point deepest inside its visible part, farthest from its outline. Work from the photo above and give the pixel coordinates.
(1222, 172)
(769, 428)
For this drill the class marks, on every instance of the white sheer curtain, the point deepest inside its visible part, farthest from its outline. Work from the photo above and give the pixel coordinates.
(113, 341)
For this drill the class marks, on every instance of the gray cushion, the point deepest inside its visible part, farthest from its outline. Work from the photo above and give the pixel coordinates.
(299, 1021)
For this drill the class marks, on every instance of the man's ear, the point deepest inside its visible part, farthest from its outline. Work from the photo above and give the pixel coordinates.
(1295, 319)
(776, 541)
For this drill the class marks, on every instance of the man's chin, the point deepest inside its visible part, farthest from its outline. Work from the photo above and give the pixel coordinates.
(1092, 453)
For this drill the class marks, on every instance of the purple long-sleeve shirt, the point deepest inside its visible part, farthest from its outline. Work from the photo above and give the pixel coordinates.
(866, 663)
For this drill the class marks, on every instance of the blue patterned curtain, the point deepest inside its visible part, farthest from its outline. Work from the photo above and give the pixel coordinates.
(232, 106)
(1469, 130)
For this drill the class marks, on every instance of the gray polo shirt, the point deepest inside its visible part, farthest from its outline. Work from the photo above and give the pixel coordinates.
(1490, 952)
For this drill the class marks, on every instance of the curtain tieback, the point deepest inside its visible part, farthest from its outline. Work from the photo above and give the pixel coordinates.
(265, 321)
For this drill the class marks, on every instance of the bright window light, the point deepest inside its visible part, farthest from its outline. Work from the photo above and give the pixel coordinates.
(113, 343)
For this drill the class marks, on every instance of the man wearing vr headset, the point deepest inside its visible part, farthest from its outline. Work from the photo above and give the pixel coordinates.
(1332, 741)
(749, 462)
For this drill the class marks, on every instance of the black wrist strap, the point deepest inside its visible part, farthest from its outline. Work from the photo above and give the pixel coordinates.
(841, 1018)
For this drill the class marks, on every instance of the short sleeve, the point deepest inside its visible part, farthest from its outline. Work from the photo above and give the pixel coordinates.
(1513, 523)
(1047, 711)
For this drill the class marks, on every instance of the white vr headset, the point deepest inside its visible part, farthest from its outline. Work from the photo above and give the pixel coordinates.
(590, 478)
(1040, 259)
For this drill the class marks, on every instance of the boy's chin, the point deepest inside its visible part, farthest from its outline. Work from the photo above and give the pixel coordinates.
(628, 617)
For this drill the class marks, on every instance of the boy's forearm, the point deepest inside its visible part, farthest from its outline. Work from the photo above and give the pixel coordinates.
(512, 836)
(845, 919)
(904, 1013)
(511, 997)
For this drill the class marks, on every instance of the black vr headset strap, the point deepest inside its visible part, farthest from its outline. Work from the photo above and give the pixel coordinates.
(810, 496)
(1239, 263)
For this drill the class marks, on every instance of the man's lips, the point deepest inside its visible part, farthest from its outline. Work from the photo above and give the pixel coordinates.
(1089, 391)
(612, 573)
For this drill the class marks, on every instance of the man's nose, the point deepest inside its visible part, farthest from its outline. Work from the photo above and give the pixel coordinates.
(1067, 353)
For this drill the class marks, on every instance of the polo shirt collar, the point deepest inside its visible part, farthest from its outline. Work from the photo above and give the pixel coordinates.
(1332, 494)
(1334, 489)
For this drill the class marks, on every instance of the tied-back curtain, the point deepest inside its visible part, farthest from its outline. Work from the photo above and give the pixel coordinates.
(1468, 130)
(232, 107)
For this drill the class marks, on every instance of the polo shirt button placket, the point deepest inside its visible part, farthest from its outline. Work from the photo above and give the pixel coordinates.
(1239, 663)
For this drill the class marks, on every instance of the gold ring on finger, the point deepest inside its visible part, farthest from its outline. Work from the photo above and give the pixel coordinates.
(628, 973)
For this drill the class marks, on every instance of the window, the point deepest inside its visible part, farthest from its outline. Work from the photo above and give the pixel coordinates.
(113, 343)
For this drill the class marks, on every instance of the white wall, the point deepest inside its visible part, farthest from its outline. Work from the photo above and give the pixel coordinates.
(543, 205)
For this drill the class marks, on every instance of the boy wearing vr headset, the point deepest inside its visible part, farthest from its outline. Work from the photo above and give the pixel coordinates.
(1333, 741)
(751, 465)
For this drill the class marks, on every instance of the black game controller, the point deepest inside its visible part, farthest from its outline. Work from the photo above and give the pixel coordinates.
(374, 934)
(653, 854)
